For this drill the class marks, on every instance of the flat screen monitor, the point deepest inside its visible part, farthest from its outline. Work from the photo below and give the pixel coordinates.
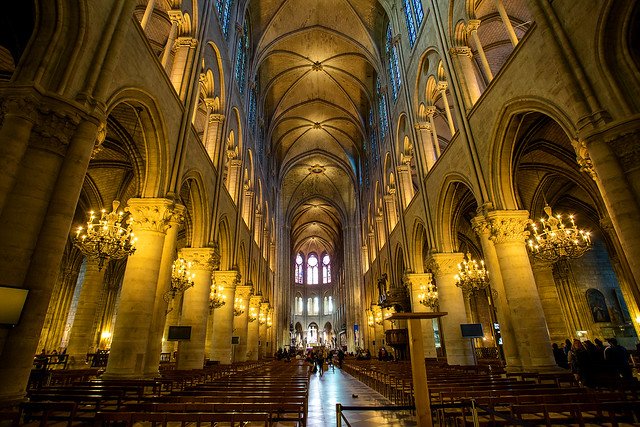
(471, 330)
(179, 333)
(11, 304)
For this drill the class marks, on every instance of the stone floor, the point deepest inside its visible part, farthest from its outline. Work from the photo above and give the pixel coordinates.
(337, 387)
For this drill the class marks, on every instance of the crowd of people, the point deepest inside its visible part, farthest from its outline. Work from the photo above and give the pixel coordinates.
(594, 363)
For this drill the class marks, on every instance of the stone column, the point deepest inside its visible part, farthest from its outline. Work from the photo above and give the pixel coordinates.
(262, 330)
(406, 183)
(233, 175)
(372, 245)
(257, 227)
(252, 330)
(19, 117)
(195, 307)
(241, 322)
(174, 307)
(530, 328)
(159, 320)
(468, 81)
(378, 331)
(509, 343)
(507, 23)
(212, 139)
(431, 111)
(472, 28)
(247, 206)
(392, 210)
(550, 300)
(424, 130)
(147, 14)
(442, 88)
(444, 268)
(182, 64)
(83, 330)
(428, 339)
(133, 324)
(223, 316)
(382, 237)
(176, 18)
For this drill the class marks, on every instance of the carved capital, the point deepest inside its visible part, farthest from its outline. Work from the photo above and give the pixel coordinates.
(176, 215)
(243, 291)
(175, 15)
(508, 226)
(216, 118)
(213, 105)
(188, 42)
(461, 51)
(216, 255)
(481, 226)
(200, 258)
(423, 125)
(24, 107)
(430, 111)
(54, 129)
(442, 264)
(442, 86)
(472, 25)
(228, 278)
(255, 301)
(583, 158)
(150, 214)
(414, 280)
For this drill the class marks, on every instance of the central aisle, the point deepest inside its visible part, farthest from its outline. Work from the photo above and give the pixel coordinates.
(338, 387)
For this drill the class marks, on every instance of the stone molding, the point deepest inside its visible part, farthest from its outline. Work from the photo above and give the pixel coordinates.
(508, 226)
(216, 118)
(480, 225)
(423, 125)
(442, 264)
(472, 25)
(255, 301)
(23, 107)
(185, 41)
(200, 258)
(442, 85)
(150, 214)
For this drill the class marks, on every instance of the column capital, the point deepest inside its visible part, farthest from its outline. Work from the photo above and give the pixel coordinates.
(21, 106)
(472, 25)
(583, 159)
(227, 278)
(186, 41)
(150, 214)
(175, 15)
(461, 51)
(416, 279)
(243, 291)
(200, 258)
(480, 225)
(442, 85)
(444, 263)
(424, 125)
(508, 226)
(430, 111)
(255, 301)
(265, 307)
(216, 118)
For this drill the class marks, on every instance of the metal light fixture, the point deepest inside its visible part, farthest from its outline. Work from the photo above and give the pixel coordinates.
(216, 298)
(269, 321)
(106, 238)
(262, 318)
(472, 276)
(370, 319)
(181, 278)
(554, 239)
(428, 295)
(378, 319)
(253, 315)
(238, 307)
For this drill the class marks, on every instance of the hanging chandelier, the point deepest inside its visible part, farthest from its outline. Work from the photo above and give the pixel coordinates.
(428, 295)
(379, 320)
(269, 321)
(181, 278)
(370, 319)
(106, 238)
(216, 298)
(471, 276)
(262, 318)
(554, 239)
(253, 315)
(238, 307)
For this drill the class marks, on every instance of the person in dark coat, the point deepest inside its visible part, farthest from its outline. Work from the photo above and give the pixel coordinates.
(618, 358)
(560, 357)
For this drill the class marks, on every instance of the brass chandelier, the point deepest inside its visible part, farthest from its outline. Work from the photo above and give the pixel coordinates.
(238, 307)
(428, 295)
(181, 278)
(553, 239)
(106, 238)
(216, 298)
(472, 276)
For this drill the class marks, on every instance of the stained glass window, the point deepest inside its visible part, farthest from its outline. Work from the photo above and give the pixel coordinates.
(326, 269)
(298, 273)
(312, 270)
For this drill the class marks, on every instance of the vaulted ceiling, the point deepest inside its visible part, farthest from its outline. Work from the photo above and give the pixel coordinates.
(317, 61)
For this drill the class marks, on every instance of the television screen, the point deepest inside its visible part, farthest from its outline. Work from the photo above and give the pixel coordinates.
(179, 333)
(471, 330)
(11, 303)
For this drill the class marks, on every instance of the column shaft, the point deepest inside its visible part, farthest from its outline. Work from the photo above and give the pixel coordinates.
(223, 317)
(473, 29)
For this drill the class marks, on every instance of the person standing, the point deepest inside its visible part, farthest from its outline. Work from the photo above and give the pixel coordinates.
(618, 358)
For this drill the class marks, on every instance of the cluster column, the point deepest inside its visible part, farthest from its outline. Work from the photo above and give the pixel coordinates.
(508, 235)
(424, 130)
(444, 268)
(150, 220)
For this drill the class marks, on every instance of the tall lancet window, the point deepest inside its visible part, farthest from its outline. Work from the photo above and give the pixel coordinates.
(312, 270)
(326, 269)
(298, 269)
(223, 7)
(394, 66)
